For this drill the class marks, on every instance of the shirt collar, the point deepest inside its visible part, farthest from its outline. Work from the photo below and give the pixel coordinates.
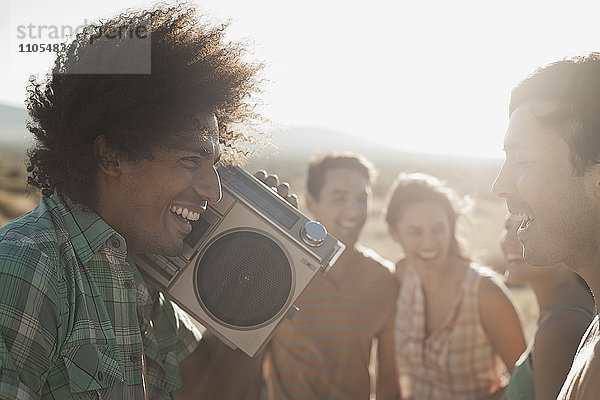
(87, 231)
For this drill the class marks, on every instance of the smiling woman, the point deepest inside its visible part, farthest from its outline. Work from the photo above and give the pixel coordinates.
(457, 331)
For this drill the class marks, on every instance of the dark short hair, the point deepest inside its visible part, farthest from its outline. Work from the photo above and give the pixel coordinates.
(336, 160)
(409, 189)
(193, 69)
(573, 86)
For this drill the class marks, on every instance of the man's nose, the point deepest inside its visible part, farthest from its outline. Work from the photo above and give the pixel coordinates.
(503, 185)
(429, 240)
(209, 186)
(356, 208)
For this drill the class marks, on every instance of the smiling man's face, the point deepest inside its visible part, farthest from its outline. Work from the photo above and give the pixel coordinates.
(555, 206)
(158, 197)
(342, 204)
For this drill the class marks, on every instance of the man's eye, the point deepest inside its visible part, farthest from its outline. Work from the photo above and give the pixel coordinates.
(193, 159)
(205, 153)
(522, 160)
(522, 164)
(439, 229)
(202, 154)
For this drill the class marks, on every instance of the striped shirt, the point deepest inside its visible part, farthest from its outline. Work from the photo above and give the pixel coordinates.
(323, 353)
(457, 361)
(76, 318)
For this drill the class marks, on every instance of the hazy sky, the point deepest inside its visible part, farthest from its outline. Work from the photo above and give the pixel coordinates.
(427, 76)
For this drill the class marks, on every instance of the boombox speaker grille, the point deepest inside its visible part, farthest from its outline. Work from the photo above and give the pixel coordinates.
(244, 278)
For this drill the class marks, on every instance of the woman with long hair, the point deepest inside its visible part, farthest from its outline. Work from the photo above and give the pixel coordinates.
(457, 331)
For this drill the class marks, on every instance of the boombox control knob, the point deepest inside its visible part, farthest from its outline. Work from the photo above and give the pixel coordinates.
(314, 233)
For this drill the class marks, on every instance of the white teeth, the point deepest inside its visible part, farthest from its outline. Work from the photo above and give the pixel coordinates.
(525, 218)
(428, 255)
(185, 213)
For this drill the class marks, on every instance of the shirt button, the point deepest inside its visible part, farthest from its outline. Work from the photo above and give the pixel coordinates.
(115, 243)
(128, 284)
(100, 375)
(134, 358)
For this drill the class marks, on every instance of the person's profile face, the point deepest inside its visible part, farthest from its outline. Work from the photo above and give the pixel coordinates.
(517, 269)
(342, 205)
(541, 188)
(170, 190)
(425, 234)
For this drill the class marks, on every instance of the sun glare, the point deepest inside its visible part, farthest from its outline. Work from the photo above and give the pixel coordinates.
(428, 77)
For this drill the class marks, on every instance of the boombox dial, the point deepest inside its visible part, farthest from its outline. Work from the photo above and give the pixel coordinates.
(314, 234)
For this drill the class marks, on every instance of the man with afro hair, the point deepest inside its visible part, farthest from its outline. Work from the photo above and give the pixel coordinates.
(128, 129)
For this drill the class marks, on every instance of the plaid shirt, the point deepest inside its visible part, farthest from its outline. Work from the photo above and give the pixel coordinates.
(76, 318)
(457, 360)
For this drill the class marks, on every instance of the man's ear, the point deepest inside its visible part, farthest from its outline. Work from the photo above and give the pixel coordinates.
(107, 156)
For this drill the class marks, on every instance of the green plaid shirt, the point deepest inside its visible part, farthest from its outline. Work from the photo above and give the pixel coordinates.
(75, 314)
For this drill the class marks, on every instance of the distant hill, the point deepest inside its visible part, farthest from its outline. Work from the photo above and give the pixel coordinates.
(304, 141)
(299, 143)
(309, 140)
(12, 125)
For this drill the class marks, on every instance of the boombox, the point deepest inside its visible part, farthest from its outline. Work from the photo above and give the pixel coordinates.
(245, 262)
